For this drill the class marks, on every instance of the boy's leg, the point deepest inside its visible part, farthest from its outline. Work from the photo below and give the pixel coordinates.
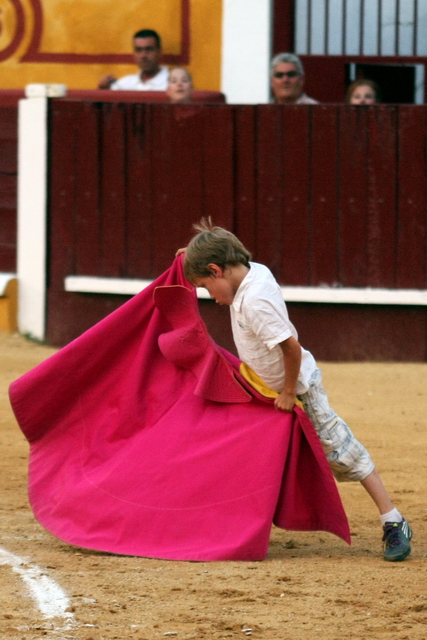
(374, 486)
(350, 461)
(397, 532)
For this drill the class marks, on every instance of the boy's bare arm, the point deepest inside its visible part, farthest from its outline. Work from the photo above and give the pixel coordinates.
(291, 349)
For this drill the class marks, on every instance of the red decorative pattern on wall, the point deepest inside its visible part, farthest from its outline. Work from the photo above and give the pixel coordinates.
(10, 49)
(34, 53)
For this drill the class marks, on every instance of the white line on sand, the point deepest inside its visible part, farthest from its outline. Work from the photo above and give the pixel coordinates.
(49, 597)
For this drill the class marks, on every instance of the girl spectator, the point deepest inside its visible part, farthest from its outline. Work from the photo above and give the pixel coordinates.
(180, 86)
(363, 92)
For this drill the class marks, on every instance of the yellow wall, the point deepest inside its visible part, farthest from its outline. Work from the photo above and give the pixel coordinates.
(103, 27)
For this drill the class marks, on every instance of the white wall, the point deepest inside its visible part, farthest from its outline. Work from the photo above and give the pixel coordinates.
(31, 244)
(246, 50)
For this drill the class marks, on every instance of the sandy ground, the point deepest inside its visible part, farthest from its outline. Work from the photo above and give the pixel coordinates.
(310, 585)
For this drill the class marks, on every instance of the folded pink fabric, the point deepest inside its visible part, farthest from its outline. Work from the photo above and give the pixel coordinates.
(145, 440)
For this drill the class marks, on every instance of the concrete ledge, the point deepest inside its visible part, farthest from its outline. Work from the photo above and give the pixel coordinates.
(8, 302)
(328, 295)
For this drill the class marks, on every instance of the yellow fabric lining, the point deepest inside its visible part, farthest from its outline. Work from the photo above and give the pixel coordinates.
(258, 383)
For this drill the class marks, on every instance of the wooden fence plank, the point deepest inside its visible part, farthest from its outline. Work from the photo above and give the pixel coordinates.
(8, 156)
(324, 203)
(7, 240)
(245, 176)
(8, 122)
(7, 227)
(8, 138)
(87, 197)
(8, 188)
(139, 196)
(382, 176)
(296, 197)
(218, 164)
(177, 178)
(411, 200)
(269, 180)
(64, 121)
(112, 190)
(8, 185)
(353, 196)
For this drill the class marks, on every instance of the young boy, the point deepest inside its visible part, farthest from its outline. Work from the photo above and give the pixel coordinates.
(267, 341)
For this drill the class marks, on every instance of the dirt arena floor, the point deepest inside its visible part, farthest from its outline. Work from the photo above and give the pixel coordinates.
(310, 586)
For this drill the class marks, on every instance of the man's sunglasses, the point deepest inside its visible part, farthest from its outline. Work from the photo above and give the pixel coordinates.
(289, 74)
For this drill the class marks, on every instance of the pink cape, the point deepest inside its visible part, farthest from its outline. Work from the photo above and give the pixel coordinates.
(145, 440)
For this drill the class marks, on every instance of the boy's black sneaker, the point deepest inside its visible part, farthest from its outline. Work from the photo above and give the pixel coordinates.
(396, 540)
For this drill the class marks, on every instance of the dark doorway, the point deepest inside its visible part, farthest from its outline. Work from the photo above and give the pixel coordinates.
(397, 82)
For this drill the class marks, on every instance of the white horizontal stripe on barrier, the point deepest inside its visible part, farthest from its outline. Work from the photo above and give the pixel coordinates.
(93, 284)
(329, 295)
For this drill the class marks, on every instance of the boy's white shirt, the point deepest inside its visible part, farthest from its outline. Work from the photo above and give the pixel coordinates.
(260, 322)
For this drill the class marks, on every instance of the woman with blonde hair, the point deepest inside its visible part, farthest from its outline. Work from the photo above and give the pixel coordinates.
(180, 86)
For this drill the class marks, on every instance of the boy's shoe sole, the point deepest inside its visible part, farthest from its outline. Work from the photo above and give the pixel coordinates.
(396, 538)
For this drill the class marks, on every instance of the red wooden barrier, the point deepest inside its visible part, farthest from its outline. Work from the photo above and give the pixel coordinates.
(8, 155)
(8, 179)
(324, 195)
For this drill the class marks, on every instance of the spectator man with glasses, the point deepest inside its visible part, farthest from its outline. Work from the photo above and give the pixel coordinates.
(287, 80)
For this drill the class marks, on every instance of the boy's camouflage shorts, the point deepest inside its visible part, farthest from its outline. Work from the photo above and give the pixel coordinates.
(347, 457)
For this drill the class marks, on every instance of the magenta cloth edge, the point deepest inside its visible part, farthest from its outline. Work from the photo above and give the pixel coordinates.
(145, 440)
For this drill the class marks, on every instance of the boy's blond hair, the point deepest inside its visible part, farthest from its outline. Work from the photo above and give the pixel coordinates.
(212, 245)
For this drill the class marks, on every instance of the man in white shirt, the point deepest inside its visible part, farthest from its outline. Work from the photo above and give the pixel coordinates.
(147, 49)
(287, 80)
